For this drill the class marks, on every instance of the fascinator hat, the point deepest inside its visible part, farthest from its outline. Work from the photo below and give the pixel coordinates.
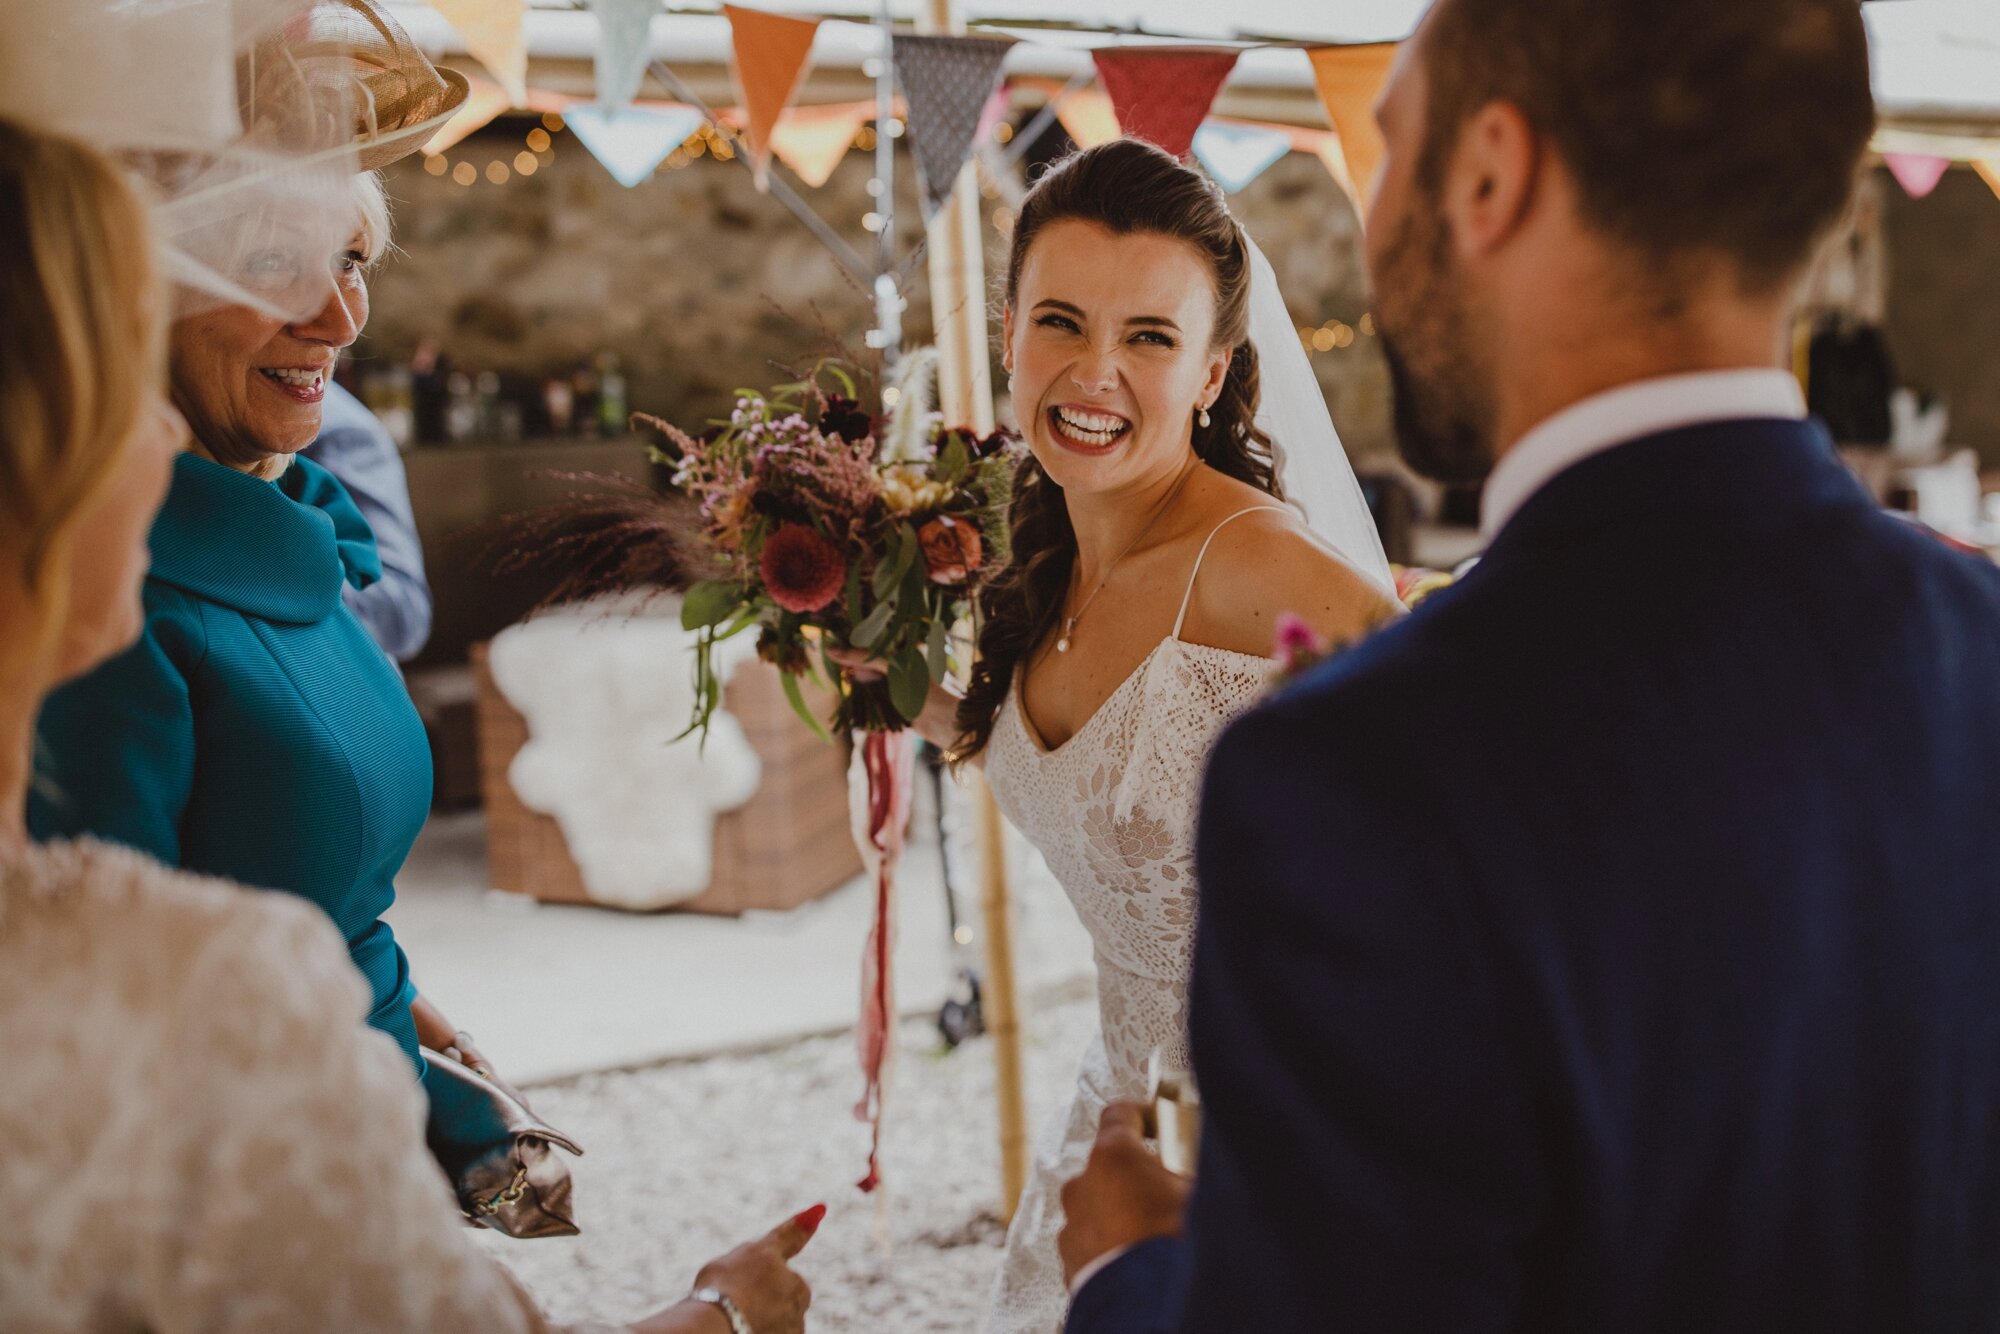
(245, 120)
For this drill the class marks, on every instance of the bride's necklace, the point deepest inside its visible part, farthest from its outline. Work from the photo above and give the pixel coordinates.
(1069, 622)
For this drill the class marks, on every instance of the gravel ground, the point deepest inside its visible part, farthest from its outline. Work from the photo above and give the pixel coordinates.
(683, 1161)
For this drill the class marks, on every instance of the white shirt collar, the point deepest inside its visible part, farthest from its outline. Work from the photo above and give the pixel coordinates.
(1631, 412)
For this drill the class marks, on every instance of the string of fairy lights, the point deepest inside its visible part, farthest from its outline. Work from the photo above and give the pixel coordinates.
(539, 146)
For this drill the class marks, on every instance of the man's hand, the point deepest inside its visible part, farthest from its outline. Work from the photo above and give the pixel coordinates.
(1124, 1195)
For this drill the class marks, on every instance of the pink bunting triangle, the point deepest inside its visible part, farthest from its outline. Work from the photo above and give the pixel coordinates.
(1162, 94)
(1917, 173)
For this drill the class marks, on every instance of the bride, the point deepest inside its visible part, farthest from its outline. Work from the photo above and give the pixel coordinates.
(1151, 559)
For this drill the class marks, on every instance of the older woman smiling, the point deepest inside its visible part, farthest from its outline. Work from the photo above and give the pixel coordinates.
(255, 732)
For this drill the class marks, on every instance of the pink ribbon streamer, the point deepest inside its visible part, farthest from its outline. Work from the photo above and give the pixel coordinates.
(880, 809)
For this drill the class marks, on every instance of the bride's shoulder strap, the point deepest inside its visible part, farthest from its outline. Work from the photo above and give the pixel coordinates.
(1188, 597)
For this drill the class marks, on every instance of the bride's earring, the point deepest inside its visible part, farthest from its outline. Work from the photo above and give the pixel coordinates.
(1201, 418)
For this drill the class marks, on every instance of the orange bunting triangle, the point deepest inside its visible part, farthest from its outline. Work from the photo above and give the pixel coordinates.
(772, 54)
(1989, 171)
(494, 34)
(1350, 78)
(812, 141)
(1088, 119)
(1162, 94)
(485, 101)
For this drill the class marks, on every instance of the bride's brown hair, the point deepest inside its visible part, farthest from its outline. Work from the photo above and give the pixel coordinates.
(1127, 187)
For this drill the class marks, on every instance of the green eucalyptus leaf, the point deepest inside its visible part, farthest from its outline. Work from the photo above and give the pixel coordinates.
(909, 684)
(869, 633)
(954, 462)
(709, 604)
(846, 381)
(936, 649)
(798, 703)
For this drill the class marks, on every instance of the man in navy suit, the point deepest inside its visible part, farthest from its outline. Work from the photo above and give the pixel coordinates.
(1614, 944)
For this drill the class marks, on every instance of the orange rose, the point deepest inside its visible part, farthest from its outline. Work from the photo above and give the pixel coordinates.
(952, 551)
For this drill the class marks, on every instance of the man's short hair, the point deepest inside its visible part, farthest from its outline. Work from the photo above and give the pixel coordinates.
(1731, 128)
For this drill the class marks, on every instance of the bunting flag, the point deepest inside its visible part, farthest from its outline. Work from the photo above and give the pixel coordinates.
(949, 84)
(813, 140)
(485, 101)
(1989, 171)
(630, 142)
(1350, 78)
(1087, 118)
(493, 33)
(1236, 155)
(772, 54)
(1162, 93)
(1917, 173)
(624, 47)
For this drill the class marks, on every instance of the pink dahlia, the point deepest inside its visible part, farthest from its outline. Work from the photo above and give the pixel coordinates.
(803, 570)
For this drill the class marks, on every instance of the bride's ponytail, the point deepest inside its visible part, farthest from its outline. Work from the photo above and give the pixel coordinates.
(1125, 186)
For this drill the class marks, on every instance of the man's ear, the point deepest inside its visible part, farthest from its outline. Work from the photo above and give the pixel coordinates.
(1493, 178)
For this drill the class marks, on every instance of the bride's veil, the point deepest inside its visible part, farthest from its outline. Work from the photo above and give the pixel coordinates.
(1311, 462)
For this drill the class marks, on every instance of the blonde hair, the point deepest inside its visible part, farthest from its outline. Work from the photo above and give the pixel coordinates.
(82, 344)
(372, 203)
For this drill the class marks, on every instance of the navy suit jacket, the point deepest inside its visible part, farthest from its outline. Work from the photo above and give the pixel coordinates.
(1614, 944)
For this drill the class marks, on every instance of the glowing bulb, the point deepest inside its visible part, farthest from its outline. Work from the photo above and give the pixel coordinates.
(496, 172)
(538, 139)
(551, 122)
(436, 165)
(871, 222)
(465, 173)
(1368, 326)
(526, 163)
(963, 935)
(1322, 340)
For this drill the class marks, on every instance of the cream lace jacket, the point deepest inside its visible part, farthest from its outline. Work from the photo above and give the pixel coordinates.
(197, 1130)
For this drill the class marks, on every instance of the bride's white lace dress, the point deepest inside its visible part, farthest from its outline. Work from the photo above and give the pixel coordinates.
(1112, 811)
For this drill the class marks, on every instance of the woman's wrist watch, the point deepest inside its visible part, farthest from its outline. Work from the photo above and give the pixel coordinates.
(719, 1299)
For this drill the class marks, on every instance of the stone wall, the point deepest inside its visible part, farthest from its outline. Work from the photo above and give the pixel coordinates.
(1944, 302)
(700, 284)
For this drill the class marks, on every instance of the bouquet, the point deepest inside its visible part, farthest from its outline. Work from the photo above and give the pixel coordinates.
(821, 530)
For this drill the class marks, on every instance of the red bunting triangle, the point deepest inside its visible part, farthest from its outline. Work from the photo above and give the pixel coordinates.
(1162, 94)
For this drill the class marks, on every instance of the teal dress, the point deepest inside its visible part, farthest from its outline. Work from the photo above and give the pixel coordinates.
(255, 732)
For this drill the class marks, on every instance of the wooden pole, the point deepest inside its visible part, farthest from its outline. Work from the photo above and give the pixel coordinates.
(965, 394)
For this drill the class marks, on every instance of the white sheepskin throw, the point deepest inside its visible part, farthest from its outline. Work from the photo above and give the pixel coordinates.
(605, 686)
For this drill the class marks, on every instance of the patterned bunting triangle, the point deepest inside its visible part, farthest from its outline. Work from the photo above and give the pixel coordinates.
(1917, 173)
(631, 141)
(624, 46)
(812, 141)
(1162, 94)
(493, 33)
(772, 53)
(948, 83)
(1236, 155)
(1350, 78)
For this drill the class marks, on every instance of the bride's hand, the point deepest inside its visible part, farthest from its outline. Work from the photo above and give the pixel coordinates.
(856, 663)
(937, 724)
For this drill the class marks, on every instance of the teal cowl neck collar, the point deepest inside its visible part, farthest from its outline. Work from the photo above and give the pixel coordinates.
(279, 550)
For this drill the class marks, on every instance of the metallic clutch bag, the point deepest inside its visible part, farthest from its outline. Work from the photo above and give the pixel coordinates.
(499, 1156)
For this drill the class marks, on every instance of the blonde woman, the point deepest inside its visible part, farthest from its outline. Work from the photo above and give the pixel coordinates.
(200, 1132)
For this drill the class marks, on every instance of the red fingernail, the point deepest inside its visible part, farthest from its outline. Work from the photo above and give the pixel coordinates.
(811, 1218)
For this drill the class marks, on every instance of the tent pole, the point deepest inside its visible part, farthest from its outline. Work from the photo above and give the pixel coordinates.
(965, 393)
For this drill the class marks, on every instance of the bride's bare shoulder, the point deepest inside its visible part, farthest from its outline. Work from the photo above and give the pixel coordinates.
(1266, 563)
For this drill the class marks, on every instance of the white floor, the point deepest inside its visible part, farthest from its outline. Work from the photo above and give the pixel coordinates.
(555, 991)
